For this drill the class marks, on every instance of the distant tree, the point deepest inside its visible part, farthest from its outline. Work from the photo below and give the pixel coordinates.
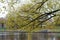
(2, 22)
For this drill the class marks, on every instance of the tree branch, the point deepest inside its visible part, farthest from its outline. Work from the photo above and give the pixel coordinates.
(42, 3)
(43, 15)
(44, 21)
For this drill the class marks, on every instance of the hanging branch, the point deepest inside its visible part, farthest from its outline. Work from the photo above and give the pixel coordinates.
(43, 15)
(39, 7)
(44, 21)
(42, 3)
(48, 18)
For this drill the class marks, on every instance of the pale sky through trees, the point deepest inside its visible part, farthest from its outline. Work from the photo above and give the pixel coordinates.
(4, 11)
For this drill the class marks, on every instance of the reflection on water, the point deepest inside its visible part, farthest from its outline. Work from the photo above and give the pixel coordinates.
(17, 35)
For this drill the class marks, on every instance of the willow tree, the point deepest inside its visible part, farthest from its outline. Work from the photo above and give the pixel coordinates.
(28, 17)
